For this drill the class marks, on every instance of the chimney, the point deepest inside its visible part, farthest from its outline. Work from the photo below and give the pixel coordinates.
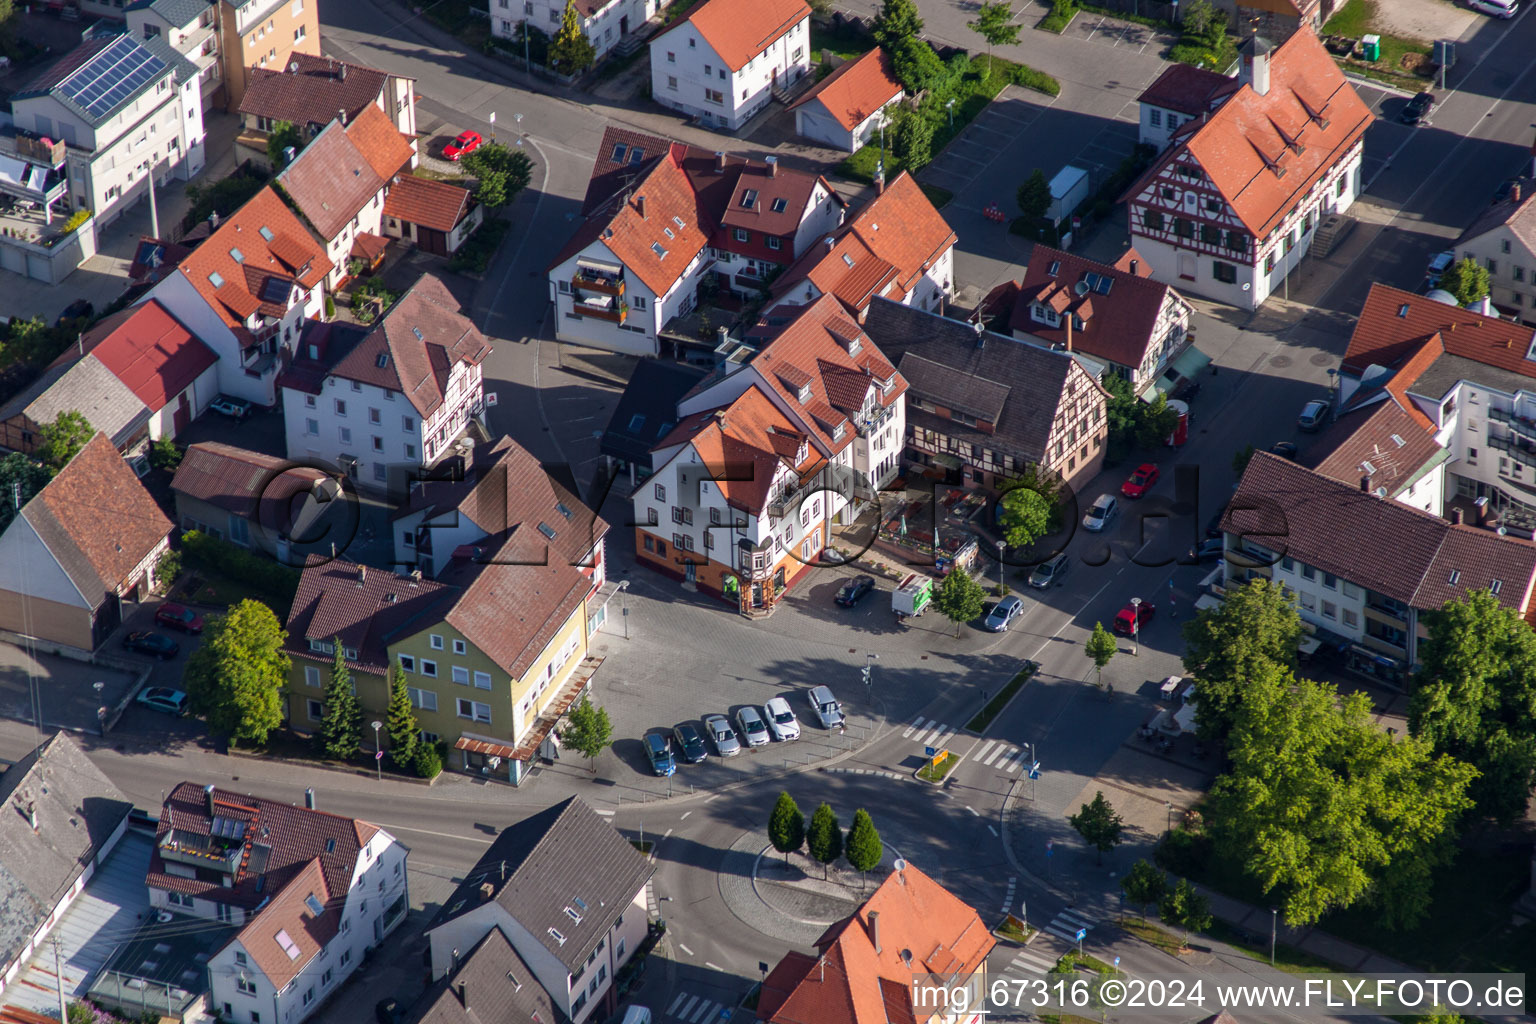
(1255, 67)
(719, 162)
(213, 219)
(487, 890)
(1365, 484)
(1067, 319)
(773, 166)
(1514, 194)
(721, 335)
(640, 205)
(1134, 265)
(309, 798)
(830, 243)
(208, 799)
(341, 72)
(362, 575)
(32, 815)
(341, 115)
(463, 988)
(874, 929)
(1458, 516)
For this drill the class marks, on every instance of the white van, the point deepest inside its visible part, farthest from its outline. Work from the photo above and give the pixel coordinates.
(637, 1015)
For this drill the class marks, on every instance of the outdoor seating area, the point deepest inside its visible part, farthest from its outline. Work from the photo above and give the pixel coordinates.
(908, 530)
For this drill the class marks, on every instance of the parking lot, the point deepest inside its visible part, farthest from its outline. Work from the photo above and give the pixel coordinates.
(59, 691)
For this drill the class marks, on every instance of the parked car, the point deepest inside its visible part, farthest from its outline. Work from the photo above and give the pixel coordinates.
(1208, 550)
(179, 617)
(234, 408)
(163, 699)
(80, 309)
(659, 752)
(1050, 572)
(1418, 108)
(1313, 415)
(1127, 621)
(689, 743)
(140, 466)
(1504, 9)
(1504, 190)
(1002, 613)
(853, 591)
(1438, 265)
(781, 720)
(753, 729)
(722, 735)
(156, 645)
(1284, 449)
(464, 142)
(1101, 513)
(1141, 481)
(828, 712)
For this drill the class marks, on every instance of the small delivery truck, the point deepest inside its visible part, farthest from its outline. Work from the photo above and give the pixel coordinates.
(912, 597)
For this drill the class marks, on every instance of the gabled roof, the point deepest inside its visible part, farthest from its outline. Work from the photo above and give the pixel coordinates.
(647, 410)
(311, 90)
(97, 520)
(1248, 147)
(78, 809)
(1188, 89)
(739, 30)
(248, 484)
(924, 931)
(149, 350)
(175, 12)
(102, 76)
(290, 916)
(330, 181)
(436, 205)
(1119, 307)
(273, 245)
(1518, 213)
(857, 89)
(563, 873)
(493, 985)
(86, 384)
(762, 198)
(368, 610)
(1395, 324)
(1375, 542)
(416, 345)
(382, 144)
(742, 445)
(1382, 442)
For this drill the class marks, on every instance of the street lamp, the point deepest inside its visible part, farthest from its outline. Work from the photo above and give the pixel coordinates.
(950, 106)
(1002, 584)
(1136, 626)
(1168, 805)
(492, 120)
(624, 606)
(378, 755)
(869, 671)
(1273, 913)
(101, 709)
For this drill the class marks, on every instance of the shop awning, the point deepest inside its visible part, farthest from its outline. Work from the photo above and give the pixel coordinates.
(948, 461)
(484, 745)
(1189, 362)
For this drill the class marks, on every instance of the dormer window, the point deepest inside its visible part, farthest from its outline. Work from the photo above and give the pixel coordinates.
(749, 199)
(838, 432)
(1045, 314)
(805, 392)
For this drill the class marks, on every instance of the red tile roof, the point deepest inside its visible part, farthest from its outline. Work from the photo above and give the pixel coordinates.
(924, 930)
(857, 89)
(257, 487)
(290, 254)
(739, 30)
(1395, 324)
(431, 204)
(331, 180)
(314, 92)
(368, 610)
(1383, 442)
(289, 914)
(743, 445)
(387, 151)
(1247, 146)
(1188, 89)
(150, 351)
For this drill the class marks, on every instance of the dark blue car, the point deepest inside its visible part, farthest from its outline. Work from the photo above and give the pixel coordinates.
(659, 750)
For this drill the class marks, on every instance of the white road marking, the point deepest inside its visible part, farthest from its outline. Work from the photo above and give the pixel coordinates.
(688, 1007)
(685, 949)
(708, 1008)
(680, 997)
(712, 796)
(685, 816)
(973, 810)
(667, 833)
(992, 830)
(908, 731)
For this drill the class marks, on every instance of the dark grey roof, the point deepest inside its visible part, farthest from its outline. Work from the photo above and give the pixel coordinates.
(1436, 381)
(84, 384)
(499, 988)
(651, 395)
(176, 12)
(74, 93)
(78, 810)
(563, 863)
(955, 389)
(1034, 376)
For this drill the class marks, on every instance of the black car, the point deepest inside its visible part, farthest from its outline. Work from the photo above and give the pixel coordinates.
(156, 644)
(854, 590)
(80, 309)
(690, 743)
(1284, 449)
(1417, 109)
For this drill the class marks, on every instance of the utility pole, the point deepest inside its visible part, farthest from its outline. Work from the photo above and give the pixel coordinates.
(59, 975)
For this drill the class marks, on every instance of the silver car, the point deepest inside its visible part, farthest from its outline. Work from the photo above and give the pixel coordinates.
(781, 720)
(828, 712)
(753, 729)
(722, 735)
(1101, 513)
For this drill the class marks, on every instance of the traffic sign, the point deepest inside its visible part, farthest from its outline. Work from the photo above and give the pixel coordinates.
(1034, 770)
(1117, 961)
(1050, 848)
(929, 751)
(378, 755)
(1082, 933)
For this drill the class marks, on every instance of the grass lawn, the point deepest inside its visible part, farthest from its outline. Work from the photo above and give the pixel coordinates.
(1152, 935)
(845, 44)
(928, 773)
(1287, 958)
(1060, 17)
(1011, 930)
(995, 705)
(1357, 18)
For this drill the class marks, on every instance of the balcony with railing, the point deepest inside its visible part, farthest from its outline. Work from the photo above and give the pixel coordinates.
(599, 280)
(602, 307)
(1522, 425)
(1519, 449)
(1386, 608)
(200, 851)
(878, 417)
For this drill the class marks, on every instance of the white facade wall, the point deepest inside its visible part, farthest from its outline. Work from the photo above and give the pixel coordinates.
(647, 314)
(198, 41)
(604, 28)
(199, 393)
(822, 215)
(368, 220)
(1158, 124)
(689, 76)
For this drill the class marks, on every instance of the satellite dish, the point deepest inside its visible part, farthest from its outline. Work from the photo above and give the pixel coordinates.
(1081, 287)
(164, 917)
(900, 864)
(293, 67)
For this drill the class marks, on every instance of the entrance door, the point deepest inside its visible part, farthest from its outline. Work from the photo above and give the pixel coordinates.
(757, 595)
(690, 571)
(624, 26)
(182, 415)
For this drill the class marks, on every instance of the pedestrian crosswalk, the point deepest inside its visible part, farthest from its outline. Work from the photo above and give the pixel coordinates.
(928, 733)
(651, 906)
(694, 1009)
(1030, 961)
(1001, 755)
(1066, 925)
(1013, 880)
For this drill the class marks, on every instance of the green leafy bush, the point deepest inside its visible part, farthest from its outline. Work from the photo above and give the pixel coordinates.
(1060, 16)
(1030, 78)
(164, 454)
(277, 581)
(476, 252)
(429, 763)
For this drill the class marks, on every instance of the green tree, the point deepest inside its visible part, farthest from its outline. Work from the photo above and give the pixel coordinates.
(864, 846)
(500, 173)
(164, 454)
(1255, 626)
(36, 343)
(571, 52)
(994, 23)
(959, 598)
(283, 135)
(167, 569)
(824, 839)
(1474, 698)
(1186, 907)
(236, 676)
(1120, 412)
(1034, 198)
(1324, 810)
(1026, 516)
(1099, 824)
(916, 66)
(1155, 422)
(16, 470)
(912, 138)
(401, 725)
(61, 440)
(786, 826)
(1144, 884)
(589, 731)
(1467, 280)
(1241, 458)
(1100, 647)
(897, 22)
(341, 725)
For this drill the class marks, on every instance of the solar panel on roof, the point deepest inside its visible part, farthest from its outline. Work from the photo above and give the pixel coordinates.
(274, 289)
(110, 77)
(227, 828)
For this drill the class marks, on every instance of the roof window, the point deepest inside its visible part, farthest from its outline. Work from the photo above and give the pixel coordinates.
(555, 934)
(636, 155)
(780, 205)
(382, 361)
(748, 198)
(1494, 586)
(656, 248)
(266, 233)
(570, 912)
(313, 904)
(1100, 283)
(1397, 439)
(1402, 310)
(679, 222)
(566, 512)
(214, 279)
(419, 336)
(517, 986)
(668, 232)
(237, 255)
(1369, 469)
(1052, 270)
(636, 422)
(330, 846)
(618, 153)
(848, 259)
(1455, 577)
(547, 530)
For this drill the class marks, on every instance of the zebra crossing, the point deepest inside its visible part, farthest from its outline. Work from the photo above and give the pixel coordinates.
(651, 906)
(1066, 924)
(694, 1009)
(1030, 961)
(1013, 880)
(1001, 755)
(928, 732)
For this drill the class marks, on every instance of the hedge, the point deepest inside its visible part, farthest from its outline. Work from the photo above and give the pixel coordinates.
(1032, 78)
(258, 572)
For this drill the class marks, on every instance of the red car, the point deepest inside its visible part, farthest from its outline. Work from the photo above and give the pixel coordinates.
(1125, 622)
(1141, 481)
(179, 617)
(467, 142)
